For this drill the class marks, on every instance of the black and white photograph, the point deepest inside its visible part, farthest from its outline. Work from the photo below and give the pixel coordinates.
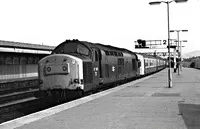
(99, 64)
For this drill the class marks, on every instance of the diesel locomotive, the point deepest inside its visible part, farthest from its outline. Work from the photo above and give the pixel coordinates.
(75, 67)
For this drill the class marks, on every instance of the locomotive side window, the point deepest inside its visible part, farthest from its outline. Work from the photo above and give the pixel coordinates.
(107, 53)
(119, 54)
(111, 53)
(115, 53)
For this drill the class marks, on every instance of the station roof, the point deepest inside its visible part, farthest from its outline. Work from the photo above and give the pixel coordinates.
(11, 44)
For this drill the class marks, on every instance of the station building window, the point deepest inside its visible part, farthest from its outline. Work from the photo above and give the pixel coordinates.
(2, 60)
(15, 60)
(23, 60)
(8, 60)
(30, 60)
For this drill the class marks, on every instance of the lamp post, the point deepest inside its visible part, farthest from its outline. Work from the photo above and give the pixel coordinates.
(181, 53)
(169, 60)
(179, 49)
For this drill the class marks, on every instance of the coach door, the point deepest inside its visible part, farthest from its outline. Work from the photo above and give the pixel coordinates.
(96, 66)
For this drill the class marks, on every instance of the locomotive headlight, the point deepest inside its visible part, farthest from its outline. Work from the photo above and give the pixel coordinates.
(48, 69)
(64, 68)
(40, 81)
(76, 80)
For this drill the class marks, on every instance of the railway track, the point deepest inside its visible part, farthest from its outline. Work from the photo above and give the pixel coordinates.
(16, 96)
(14, 109)
(10, 86)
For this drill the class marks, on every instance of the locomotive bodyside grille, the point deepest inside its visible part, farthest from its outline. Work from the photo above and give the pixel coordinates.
(87, 72)
(106, 70)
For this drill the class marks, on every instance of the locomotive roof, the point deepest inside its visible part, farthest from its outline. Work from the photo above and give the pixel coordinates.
(98, 45)
(11, 44)
(109, 47)
(105, 47)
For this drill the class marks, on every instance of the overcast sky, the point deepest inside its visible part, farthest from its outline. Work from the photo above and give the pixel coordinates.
(114, 22)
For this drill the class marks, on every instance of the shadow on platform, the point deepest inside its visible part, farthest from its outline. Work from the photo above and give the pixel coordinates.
(190, 114)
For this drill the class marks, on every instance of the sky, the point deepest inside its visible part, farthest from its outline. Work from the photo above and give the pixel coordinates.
(112, 22)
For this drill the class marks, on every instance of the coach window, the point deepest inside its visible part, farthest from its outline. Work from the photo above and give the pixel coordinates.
(146, 63)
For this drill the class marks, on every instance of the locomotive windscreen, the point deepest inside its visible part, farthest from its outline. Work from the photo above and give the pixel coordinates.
(71, 48)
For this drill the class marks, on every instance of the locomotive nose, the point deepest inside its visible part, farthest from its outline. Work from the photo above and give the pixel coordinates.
(60, 72)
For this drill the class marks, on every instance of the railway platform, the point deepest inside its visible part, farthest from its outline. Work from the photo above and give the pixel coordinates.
(146, 103)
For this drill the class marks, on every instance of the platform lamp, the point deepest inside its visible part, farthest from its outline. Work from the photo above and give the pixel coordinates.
(169, 60)
(179, 51)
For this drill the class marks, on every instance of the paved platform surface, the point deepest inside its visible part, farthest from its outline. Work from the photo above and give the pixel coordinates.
(148, 104)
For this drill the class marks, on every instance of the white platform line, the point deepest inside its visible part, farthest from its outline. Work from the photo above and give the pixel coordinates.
(51, 111)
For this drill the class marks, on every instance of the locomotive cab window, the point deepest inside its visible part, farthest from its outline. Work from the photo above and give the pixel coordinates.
(71, 48)
(82, 50)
